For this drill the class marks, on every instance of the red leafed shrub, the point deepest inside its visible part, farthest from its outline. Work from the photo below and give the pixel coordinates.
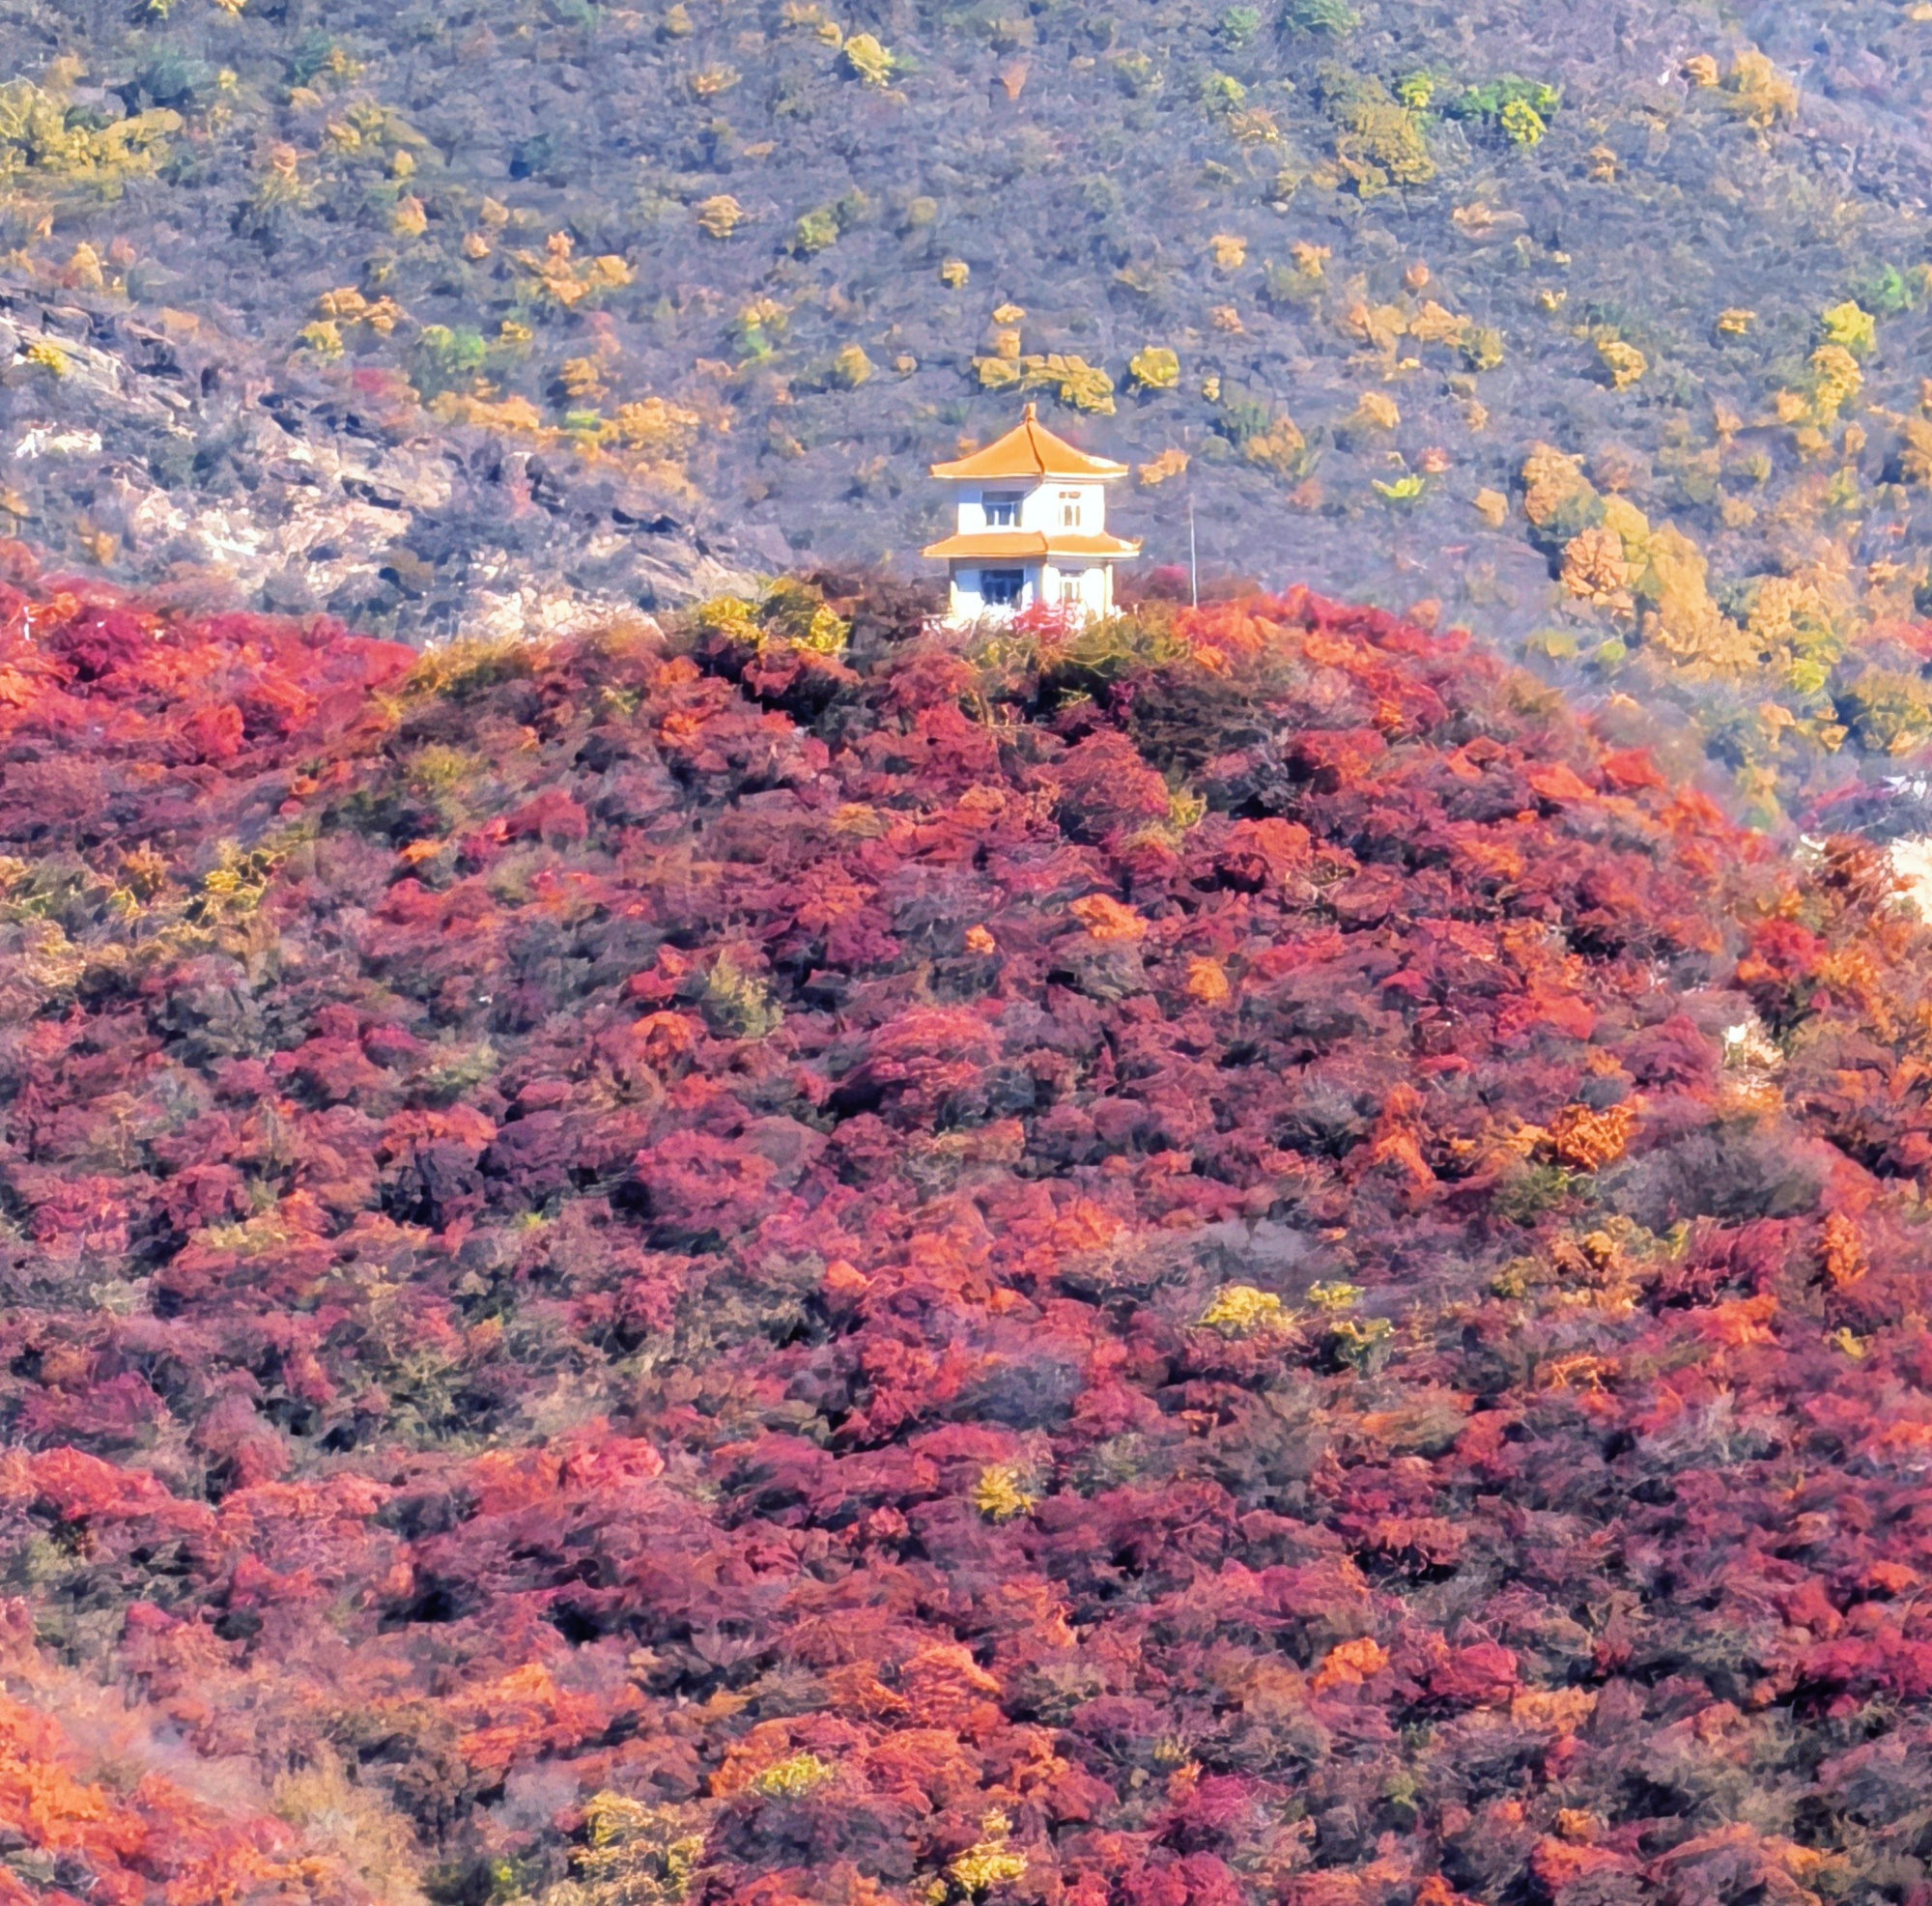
(1219, 1261)
(1104, 784)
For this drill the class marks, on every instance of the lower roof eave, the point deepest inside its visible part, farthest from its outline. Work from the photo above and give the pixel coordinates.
(1090, 548)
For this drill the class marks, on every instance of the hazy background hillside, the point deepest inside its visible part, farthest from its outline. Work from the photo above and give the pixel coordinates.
(444, 317)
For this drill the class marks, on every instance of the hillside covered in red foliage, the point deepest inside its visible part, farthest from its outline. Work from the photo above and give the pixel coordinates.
(793, 1260)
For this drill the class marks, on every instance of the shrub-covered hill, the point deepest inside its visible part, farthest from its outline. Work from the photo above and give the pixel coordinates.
(793, 1260)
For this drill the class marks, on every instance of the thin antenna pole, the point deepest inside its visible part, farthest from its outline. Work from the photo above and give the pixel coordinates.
(1193, 566)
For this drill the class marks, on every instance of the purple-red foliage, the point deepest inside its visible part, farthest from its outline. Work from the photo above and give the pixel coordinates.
(579, 1222)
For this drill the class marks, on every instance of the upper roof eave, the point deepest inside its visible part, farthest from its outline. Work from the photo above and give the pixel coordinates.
(1030, 450)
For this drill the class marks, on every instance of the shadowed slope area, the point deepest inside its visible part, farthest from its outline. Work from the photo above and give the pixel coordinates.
(1227, 1260)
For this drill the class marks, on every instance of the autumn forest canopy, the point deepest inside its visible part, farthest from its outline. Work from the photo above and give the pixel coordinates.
(789, 1258)
(671, 1236)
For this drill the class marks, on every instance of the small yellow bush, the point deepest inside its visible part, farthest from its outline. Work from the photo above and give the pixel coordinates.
(1851, 325)
(1836, 380)
(793, 1779)
(731, 617)
(36, 138)
(1077, 384)
(1337, 1296)
(655, 428)
(1154, 368)
(635, 1856)
(1433, 323)
(1377, 411)
(1595, 570)
(1080, 386)
(1625, 362)
(1759, 92)
(1281, 447)
(1240, 1310)
(998, 1495)
(868, 61)
(719, 216)
(1522, 125)
(851, 367)
(1405, 489)
(738, 1002)
(989, 1864)
(814, 231)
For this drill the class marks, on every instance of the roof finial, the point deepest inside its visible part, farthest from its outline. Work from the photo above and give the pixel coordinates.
(1031, 415)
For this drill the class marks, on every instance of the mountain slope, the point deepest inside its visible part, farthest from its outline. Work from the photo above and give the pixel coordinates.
(796, 1261)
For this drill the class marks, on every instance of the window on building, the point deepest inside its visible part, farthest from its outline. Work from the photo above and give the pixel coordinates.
(1003, 509)
(1069, 509)
(1070, 586)
(1001, 588)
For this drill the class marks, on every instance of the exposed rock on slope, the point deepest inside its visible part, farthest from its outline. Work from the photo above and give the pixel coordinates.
(171, 456)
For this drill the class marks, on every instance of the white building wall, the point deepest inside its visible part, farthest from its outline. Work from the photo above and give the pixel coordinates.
(973, 508)
(1041, 508)
(1040, 505)
(1093, 586)
(968, 600)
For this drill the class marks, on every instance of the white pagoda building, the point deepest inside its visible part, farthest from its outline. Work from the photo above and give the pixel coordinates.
(1033, 526)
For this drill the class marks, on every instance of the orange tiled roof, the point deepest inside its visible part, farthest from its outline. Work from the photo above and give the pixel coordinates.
(990, 545)
(1029, 449)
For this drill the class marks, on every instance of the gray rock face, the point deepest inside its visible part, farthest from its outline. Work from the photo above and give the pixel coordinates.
(162, 455)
